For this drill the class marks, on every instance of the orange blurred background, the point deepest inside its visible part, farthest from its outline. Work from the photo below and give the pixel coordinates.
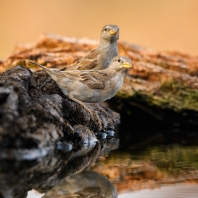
(157, 24)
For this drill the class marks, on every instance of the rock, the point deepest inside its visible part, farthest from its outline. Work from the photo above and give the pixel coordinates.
(164, 80)
(34, 114)
(159, 82)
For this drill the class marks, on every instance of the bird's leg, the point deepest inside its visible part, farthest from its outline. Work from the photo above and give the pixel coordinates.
(81, 103)
(100, 108)
(93, 117)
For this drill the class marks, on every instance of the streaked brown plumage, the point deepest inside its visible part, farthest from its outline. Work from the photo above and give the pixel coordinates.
(91, 86)
(101, 57)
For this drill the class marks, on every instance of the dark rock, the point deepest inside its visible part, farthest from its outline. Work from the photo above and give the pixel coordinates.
(34, 113)
(110, 133)
(63, 146)
(101, 135)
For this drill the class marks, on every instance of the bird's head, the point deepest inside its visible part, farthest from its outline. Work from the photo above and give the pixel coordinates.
(110, 33)
(121, 63)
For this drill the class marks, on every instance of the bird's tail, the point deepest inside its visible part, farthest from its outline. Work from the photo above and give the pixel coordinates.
(33, 63)
(54, 73)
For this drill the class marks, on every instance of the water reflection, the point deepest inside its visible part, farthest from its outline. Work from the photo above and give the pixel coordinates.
(151, 168)
(85, 184)
(19, 177)
(98, 171)
(177, 191)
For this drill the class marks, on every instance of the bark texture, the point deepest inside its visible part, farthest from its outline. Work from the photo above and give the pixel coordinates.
(34, 114)
(34, 109)
(166, 80)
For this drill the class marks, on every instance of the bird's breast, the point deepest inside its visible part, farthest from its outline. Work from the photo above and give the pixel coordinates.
(107, 54)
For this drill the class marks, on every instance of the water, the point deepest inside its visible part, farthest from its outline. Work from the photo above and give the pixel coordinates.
(176, 191)
(162, 168)
(104, 170)
(149, 159)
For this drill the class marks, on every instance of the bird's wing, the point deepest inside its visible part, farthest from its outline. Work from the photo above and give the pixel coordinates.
(88, 62)
(95, 79)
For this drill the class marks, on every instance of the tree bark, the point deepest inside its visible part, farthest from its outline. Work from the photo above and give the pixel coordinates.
(166, 80)
(34, 110)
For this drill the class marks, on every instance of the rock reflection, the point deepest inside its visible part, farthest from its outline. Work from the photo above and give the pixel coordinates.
(79, 163)
(19, 177)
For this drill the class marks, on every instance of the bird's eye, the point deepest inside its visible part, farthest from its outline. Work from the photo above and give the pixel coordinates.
(118, 60)
(105, 29)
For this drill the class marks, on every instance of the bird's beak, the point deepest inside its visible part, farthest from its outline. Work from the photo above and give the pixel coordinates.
(126, 65)
(112, 32)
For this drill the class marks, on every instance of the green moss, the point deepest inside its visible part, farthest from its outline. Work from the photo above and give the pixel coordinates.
(179, 96)
(173, 94)
(124, 94)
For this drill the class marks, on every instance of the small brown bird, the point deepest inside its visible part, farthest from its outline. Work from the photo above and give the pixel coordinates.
(101, 57)
(91, 86)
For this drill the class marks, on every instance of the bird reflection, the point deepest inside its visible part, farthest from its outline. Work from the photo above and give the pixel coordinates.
(87, 184)
(59, 171)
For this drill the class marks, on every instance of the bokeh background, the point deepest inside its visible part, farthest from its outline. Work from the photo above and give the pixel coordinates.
(157, 24)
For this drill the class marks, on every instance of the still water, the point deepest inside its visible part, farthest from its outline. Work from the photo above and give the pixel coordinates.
(145, 159)
(148, 169)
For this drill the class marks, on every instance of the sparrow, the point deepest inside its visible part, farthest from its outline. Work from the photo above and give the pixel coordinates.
(91, 86)
(101, 57)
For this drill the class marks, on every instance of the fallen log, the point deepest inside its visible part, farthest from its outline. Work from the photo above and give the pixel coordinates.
(160, 83)
(34, 114)
(163, 80)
